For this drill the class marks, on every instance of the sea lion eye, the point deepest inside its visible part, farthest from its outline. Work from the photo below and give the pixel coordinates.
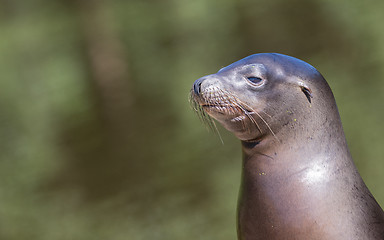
(255, 80)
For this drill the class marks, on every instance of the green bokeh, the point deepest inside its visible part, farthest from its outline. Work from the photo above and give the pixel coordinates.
(129, 159)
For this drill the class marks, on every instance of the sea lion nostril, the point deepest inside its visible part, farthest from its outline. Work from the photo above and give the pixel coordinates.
(197, 85)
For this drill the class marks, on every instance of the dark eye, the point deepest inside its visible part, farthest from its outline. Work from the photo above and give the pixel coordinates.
(255, 80)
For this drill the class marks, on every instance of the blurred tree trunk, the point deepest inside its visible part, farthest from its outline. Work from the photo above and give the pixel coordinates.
(98, 145)
(105, 57)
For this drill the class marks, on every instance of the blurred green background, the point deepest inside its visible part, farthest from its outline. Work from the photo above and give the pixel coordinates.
(98, 140)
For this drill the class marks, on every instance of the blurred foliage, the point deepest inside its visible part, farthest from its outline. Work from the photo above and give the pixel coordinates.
(97, 137)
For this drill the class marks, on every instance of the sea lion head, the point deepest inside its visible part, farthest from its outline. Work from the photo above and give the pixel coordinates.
(259, 95)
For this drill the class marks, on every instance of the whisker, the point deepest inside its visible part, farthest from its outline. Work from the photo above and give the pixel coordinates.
(245, 108)
(218, 132)
(262, 119)
(266, 114)
(234, 100)
(250, 117)
(203, 116)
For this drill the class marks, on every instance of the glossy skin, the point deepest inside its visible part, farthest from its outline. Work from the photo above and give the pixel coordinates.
(298, 179)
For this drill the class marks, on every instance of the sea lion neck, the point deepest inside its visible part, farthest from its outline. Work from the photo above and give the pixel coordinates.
(291, 155)
(283, 191)
(287, 153)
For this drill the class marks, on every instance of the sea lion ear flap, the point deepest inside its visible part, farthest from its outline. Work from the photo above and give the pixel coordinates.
(308, 93)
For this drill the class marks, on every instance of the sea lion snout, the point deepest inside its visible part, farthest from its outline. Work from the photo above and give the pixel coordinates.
(204, 83)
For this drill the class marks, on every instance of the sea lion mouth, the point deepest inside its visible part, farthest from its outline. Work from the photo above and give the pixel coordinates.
(217, 101)
(222, 108)
(227, 108)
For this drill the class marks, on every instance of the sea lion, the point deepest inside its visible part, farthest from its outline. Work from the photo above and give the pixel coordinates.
(298, 179)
